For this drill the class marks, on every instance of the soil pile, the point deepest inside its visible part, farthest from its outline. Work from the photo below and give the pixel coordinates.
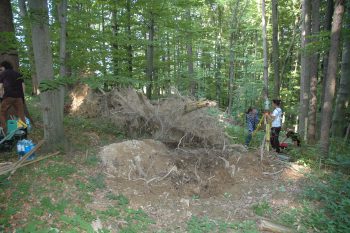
(175, 120)
(190, 171)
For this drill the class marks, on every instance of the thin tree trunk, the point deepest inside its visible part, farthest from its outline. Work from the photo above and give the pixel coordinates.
(231, 74)
(150, 52)
(343, 94)
(275, 50)
(7, 35)
(115, 45)
(52, 120)
(291, 45)
(129, 45)
(27, 37)
(331, 77)
(218, 74)
(327, 27)
(190, 58)
(305, 69)
(62, 17)
(265, 51)
(314, 73)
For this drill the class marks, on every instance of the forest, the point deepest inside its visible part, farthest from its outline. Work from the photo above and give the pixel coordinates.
(137, 110)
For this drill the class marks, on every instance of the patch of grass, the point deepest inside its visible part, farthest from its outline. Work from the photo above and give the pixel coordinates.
(262, 208)
(57, 170)
(76, 223)
(325, 206)
(96, 125)
(204, 224)
(92, 161)
(98, 181)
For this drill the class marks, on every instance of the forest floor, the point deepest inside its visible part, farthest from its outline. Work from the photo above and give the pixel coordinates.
(180, 190)
(104, 181)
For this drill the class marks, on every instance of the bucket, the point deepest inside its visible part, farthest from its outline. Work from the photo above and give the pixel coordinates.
(11, 125)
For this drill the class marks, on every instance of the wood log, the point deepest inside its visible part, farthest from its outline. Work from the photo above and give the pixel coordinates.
(265, 225)
(190, 107)
(9, 168)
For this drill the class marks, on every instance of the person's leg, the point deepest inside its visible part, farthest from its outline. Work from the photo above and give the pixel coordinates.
(5, 105)
(272, 137)
(19, 109)
(248, 138)
(277, 142)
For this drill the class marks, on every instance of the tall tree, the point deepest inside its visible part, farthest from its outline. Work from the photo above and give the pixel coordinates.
(343, 93)
(50, 100)
(150, 54)
(305, 68)
(275, 49)
(331, 77)
(27, 36)
(265, 50)
(8, 46)
(327, 26)
(62, 17)
(314, 73)
(190, 65)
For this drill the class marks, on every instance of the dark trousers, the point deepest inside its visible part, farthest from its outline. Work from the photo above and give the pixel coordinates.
(275, 132)
(17, 104)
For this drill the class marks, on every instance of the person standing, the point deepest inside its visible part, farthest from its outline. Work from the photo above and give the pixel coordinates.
(12, 92)
(276, 118)
(252, 120)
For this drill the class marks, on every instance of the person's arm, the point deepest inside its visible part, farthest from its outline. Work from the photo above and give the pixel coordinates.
(24, 88)
(1, 90)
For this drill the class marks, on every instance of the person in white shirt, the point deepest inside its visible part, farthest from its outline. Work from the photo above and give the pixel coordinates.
(276, 118)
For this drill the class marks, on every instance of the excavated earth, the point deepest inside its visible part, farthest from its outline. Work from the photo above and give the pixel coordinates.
(172, 185)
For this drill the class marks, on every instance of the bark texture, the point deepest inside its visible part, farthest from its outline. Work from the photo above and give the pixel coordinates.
(331, 77)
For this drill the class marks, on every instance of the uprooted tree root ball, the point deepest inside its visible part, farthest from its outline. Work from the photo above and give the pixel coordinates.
(175, 120)
(190, 171)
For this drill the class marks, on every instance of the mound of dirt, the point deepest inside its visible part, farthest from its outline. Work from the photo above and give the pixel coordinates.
(135, 159)
(174, 120)
(190, 171)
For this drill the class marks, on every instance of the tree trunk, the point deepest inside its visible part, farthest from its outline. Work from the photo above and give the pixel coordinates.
(331, 77)
(115, 45)
(305, 69)
(218, 74)
(52, 120)
(265, 51)
(327, 27)
(129, 45)
(314, 73)
(190, 58)
(275, 50)
(343, 94)
(27, 37)
(8, 44)
(231, 74)
(150, 52)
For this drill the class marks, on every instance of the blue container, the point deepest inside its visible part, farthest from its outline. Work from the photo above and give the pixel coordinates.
(23, 147)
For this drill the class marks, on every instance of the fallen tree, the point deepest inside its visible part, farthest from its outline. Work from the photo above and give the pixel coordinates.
(175, 120)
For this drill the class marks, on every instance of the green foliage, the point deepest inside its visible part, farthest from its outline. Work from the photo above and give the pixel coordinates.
(326, 205)
(262, 208)
(333, 191)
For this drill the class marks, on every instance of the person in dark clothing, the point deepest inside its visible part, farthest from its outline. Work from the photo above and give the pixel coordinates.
(252, 120)
(12, 92)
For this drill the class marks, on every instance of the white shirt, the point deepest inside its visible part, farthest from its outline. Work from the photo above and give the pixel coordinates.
(277, 113)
